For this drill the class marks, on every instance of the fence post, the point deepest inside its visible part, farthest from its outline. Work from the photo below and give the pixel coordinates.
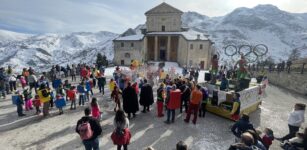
(302, 71)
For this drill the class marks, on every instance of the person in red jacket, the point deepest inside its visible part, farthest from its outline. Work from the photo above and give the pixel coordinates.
(83, 73)
(268, 137)
(173, 102)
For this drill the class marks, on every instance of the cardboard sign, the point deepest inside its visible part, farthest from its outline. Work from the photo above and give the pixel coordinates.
(15, 99)
(60, 103)
(56, 83)
(175, 99)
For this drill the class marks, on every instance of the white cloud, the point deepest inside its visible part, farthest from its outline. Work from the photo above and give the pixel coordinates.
(40, 16)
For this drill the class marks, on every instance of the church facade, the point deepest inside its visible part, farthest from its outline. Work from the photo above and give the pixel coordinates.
(163, 38)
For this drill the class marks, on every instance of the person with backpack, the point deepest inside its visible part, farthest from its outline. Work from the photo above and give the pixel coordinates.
(89, 129)
(121, 135)
(44, 95)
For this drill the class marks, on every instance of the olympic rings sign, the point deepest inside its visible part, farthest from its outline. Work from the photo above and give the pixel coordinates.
(251, 53)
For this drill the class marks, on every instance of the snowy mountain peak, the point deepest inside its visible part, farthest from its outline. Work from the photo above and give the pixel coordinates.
(6, 36)
(42, 51)
(266, 8)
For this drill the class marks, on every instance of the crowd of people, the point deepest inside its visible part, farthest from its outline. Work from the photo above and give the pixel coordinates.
(180, 92)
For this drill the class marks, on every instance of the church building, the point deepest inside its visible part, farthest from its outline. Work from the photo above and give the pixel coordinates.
(163, 38)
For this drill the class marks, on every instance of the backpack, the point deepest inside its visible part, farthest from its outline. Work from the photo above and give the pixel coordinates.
(45, 93)
(85, 130)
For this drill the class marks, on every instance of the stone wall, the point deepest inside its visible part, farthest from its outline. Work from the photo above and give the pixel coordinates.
(128, 52)
(293, 81)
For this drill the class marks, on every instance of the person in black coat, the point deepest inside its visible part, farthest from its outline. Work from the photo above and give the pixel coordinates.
(146, 96)
(242, 126)
(130, 100)
(185, 96)
(93, 142)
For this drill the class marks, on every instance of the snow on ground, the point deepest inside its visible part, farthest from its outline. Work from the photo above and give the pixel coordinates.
(210, 133)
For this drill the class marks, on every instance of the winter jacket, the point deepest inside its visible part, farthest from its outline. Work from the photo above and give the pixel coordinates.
(130, 100)
(101, 80)
(121, 125)
(12, 78)
(196, 97)
(160, 94)
(205, 92)
(95, 126)
(146, 96)
(186, 92)
(96, 111)
(32, 79)
(296, 118)
(224, 84)
(174, 99)
(41, 97)
(112, 85)
(240, 127)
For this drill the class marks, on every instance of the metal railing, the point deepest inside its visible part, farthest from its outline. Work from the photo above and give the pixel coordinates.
(296, 67)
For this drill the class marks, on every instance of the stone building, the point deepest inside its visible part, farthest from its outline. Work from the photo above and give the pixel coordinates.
(163, 38)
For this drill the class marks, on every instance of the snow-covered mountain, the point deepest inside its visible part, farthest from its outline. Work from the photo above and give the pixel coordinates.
(42, 51)
(264, 24)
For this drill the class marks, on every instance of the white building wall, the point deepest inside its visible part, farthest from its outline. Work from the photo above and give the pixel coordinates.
(171, 21)
(182, 51)
(196, 54)
(127, 52)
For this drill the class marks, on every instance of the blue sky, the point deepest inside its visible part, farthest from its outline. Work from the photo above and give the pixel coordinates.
(62, 16)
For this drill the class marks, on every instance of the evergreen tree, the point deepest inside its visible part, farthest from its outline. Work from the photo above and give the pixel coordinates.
(99, 60)
(105, 61)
